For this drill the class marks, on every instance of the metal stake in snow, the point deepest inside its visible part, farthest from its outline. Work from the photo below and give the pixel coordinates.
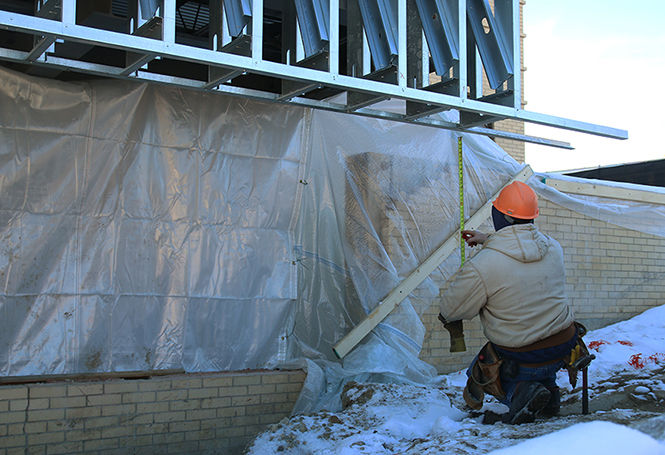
(397, 295)
(461, 196)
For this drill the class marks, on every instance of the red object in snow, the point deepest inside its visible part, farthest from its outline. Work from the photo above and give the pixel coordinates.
(636, 361)
(656, 357)
(596, 344)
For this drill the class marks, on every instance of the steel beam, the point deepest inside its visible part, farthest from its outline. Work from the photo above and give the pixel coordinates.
(314, 24)
(439, 19)
(460, 71)
(333, 33)
(490, 37)
(257, 31)
(111, 71)
(40, 47)
(380, 23)
(238, 15)
(507, 14)
(255, 64)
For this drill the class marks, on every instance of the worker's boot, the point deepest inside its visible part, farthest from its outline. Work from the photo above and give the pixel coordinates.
(553, 406)
(529, 399)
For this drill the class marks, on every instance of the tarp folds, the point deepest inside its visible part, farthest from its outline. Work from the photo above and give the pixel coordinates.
(143, 228)
(148, 227)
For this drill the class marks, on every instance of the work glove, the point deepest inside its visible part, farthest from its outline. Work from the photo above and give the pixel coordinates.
(456, 331)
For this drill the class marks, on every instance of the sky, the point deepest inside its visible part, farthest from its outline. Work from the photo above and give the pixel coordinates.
(601, 62)
(428, 420)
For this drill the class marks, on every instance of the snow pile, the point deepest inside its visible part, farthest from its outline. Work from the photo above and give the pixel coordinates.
(627, 390)
(591, 438)
(430, 411)
(636, 344)
(630, 357)
(377, 418)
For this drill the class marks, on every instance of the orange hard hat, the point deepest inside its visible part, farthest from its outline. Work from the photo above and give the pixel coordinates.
(517, 200)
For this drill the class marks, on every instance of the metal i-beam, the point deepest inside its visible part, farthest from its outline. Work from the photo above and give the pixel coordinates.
(70, 32)
(257, 30)
(439, 19)
(238, 15)
(314, 20)
(105, 70)
(491, 40)
(380, 23)
(507, 14)
(333, 45)
(402, 291)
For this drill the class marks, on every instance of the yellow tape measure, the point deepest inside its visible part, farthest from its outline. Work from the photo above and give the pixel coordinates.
(461, 195)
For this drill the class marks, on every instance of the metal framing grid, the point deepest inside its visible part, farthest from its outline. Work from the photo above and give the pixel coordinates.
(406, 77)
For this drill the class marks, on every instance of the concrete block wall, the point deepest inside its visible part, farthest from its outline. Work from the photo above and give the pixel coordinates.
(182, 414)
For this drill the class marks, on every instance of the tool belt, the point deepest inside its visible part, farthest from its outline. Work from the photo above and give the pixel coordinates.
(485, 374)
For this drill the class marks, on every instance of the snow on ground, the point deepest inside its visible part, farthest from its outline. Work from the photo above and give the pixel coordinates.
(627, 410)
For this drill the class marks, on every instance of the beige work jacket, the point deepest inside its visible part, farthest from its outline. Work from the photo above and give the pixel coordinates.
(516, 283)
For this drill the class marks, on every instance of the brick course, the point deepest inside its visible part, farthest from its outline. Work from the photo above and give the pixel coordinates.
(202, 413)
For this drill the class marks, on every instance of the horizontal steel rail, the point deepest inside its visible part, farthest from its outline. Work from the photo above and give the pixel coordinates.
(255, 64)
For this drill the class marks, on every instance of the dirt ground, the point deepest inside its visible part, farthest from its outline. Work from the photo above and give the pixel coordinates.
(635, 399)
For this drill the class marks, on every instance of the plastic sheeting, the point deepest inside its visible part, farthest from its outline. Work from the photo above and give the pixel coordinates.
(143, 228)
(147, 227)
(640, 216)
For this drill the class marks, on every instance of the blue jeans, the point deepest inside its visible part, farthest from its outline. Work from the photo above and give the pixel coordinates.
(545, 374)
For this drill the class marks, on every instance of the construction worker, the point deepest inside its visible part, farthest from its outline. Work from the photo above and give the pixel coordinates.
(515, 283)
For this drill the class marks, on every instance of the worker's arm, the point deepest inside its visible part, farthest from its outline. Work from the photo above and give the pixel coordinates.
(464, 294)
(474, 238)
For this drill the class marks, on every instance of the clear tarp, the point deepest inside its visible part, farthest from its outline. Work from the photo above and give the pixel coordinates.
(148, 227)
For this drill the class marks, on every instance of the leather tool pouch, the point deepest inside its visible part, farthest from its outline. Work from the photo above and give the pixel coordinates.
(485, 378)
(579, 358)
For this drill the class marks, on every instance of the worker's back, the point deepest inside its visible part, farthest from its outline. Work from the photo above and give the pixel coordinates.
(523, 273)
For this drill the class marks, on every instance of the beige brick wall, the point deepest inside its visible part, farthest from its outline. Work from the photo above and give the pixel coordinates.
(516, 149)
(612, 274)
(200, 413)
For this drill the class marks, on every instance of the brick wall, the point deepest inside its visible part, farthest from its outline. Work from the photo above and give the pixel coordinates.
(197, 413)
(612, 274)
(516, 149)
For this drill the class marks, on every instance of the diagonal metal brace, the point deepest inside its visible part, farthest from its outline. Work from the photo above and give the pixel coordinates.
(397, 295)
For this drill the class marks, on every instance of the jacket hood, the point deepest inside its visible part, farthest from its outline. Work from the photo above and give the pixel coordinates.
(522, 242)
